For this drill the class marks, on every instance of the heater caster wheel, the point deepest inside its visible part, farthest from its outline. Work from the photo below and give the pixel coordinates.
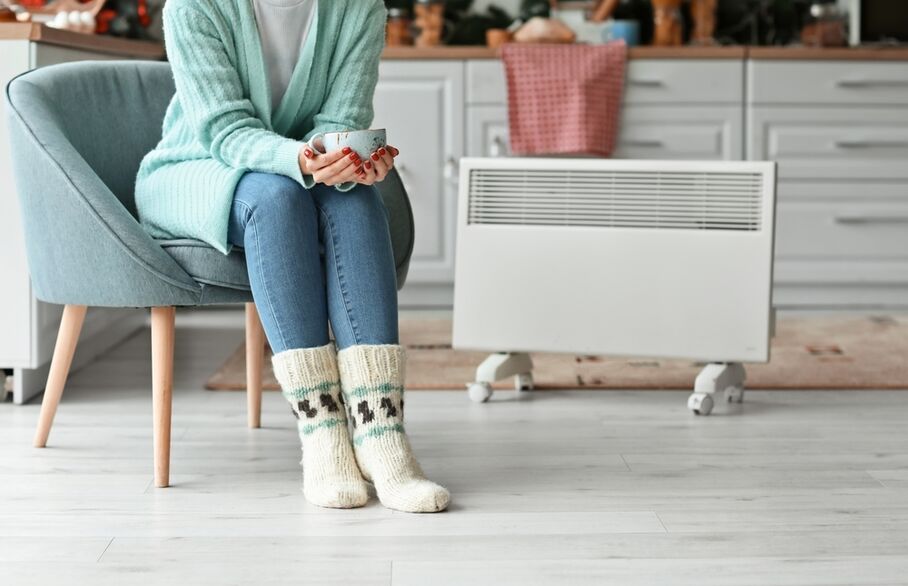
(734, 395)
(479, 392)
(523, 382)
(700, 404)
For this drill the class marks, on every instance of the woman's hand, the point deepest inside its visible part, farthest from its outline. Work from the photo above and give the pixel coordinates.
(332, 168)
(376, 168)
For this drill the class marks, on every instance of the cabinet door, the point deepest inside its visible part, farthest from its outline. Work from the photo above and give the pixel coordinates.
(865, 144)
(681, 132)
(421, 104)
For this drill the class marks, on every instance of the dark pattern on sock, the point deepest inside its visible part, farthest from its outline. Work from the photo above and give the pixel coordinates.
(363, 409)
(310, 411)
(328, 402)
(388, 406)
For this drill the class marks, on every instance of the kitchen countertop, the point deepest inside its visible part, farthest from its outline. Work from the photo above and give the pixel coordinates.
(151, 50)
(40, 33)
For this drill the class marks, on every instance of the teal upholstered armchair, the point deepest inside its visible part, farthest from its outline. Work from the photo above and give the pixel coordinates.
(78, 134)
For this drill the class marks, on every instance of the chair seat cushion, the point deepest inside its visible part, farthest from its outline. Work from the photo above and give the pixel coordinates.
(207, 265)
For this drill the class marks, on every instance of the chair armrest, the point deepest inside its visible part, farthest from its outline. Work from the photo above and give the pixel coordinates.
(80, 238)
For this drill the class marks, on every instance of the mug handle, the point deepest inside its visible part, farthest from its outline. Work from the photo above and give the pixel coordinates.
(320, 137)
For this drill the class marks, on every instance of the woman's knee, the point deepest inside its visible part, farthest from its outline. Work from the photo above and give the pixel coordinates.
(273, 199)
(363, 203)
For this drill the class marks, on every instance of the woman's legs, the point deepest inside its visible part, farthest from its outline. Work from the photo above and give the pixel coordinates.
(362, 305)
(360, 275)
(276, 221)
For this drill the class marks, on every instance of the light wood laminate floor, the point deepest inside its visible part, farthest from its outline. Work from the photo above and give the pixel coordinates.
(574, 487)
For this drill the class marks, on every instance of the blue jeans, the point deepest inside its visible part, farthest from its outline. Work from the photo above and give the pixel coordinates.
(314, 256)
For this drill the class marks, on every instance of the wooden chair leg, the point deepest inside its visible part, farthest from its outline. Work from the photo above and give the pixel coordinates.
(67, 338)
(255, 356)
(162, 337)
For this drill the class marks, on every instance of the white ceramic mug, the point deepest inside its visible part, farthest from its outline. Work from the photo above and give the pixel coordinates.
(362, 142)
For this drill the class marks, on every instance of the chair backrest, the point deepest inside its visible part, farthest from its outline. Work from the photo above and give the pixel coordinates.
(93, 122)
(111, 113)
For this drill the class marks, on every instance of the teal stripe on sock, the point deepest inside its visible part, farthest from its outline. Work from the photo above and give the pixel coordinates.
(324, 424)
(382, 389)
(377, 431)
(302, 392)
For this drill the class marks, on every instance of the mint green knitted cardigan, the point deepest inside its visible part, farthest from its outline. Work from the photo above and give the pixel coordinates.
(219, 124)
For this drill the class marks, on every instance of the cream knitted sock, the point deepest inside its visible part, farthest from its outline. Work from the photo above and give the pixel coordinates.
(372, 378)
(310, 381)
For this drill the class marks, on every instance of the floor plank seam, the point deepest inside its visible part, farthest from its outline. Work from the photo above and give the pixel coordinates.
(97, 561)
(661, 522)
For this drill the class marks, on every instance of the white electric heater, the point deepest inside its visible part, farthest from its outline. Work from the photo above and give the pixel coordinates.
(669, 259)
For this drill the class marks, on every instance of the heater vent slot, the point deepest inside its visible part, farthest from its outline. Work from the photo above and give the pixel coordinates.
(685, 200)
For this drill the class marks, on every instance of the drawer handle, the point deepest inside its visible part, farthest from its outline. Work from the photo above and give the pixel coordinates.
(451, 171)
(646, 82)
(650, 144)
(498, 147)
(871, 83)
(867, 144)
(852, 220)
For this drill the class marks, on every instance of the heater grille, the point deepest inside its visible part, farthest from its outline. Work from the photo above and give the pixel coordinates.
(686, 200)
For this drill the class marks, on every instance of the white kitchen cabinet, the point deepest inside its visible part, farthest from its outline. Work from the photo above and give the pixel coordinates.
(421, 103)
(28, 327)
(839, 133)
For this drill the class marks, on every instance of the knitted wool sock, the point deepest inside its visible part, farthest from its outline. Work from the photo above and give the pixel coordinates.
(372, 380)
(310, 381)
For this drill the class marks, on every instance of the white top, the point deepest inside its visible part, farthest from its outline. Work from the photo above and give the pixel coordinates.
(283, 27)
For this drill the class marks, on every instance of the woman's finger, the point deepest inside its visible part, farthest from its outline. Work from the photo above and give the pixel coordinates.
(394, 151)
(332, 174)
(381, 161)
(319, 160)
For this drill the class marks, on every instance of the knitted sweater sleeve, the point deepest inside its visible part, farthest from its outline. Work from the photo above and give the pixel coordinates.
(348, 105)
(211, 95)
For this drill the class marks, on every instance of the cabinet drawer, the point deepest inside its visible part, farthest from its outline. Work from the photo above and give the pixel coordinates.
(848, 191)
(825, 143)
(813, 82)
(646, 132)
(648, 81)
(682, 132)
(842, 230)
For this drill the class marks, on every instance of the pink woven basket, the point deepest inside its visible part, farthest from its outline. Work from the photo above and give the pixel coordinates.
(564, 99)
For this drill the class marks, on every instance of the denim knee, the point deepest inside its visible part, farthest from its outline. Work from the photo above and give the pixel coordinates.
(275, 201)
(361, 205)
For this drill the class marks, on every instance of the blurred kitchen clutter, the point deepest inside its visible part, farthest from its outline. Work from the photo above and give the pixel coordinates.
(427, 23)
(121, 18)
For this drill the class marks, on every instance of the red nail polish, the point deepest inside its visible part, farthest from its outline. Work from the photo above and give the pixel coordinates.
(308, 153)
(346, 150)
(368, 165)
(374, 156)
(382, 152)
(353, 156)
